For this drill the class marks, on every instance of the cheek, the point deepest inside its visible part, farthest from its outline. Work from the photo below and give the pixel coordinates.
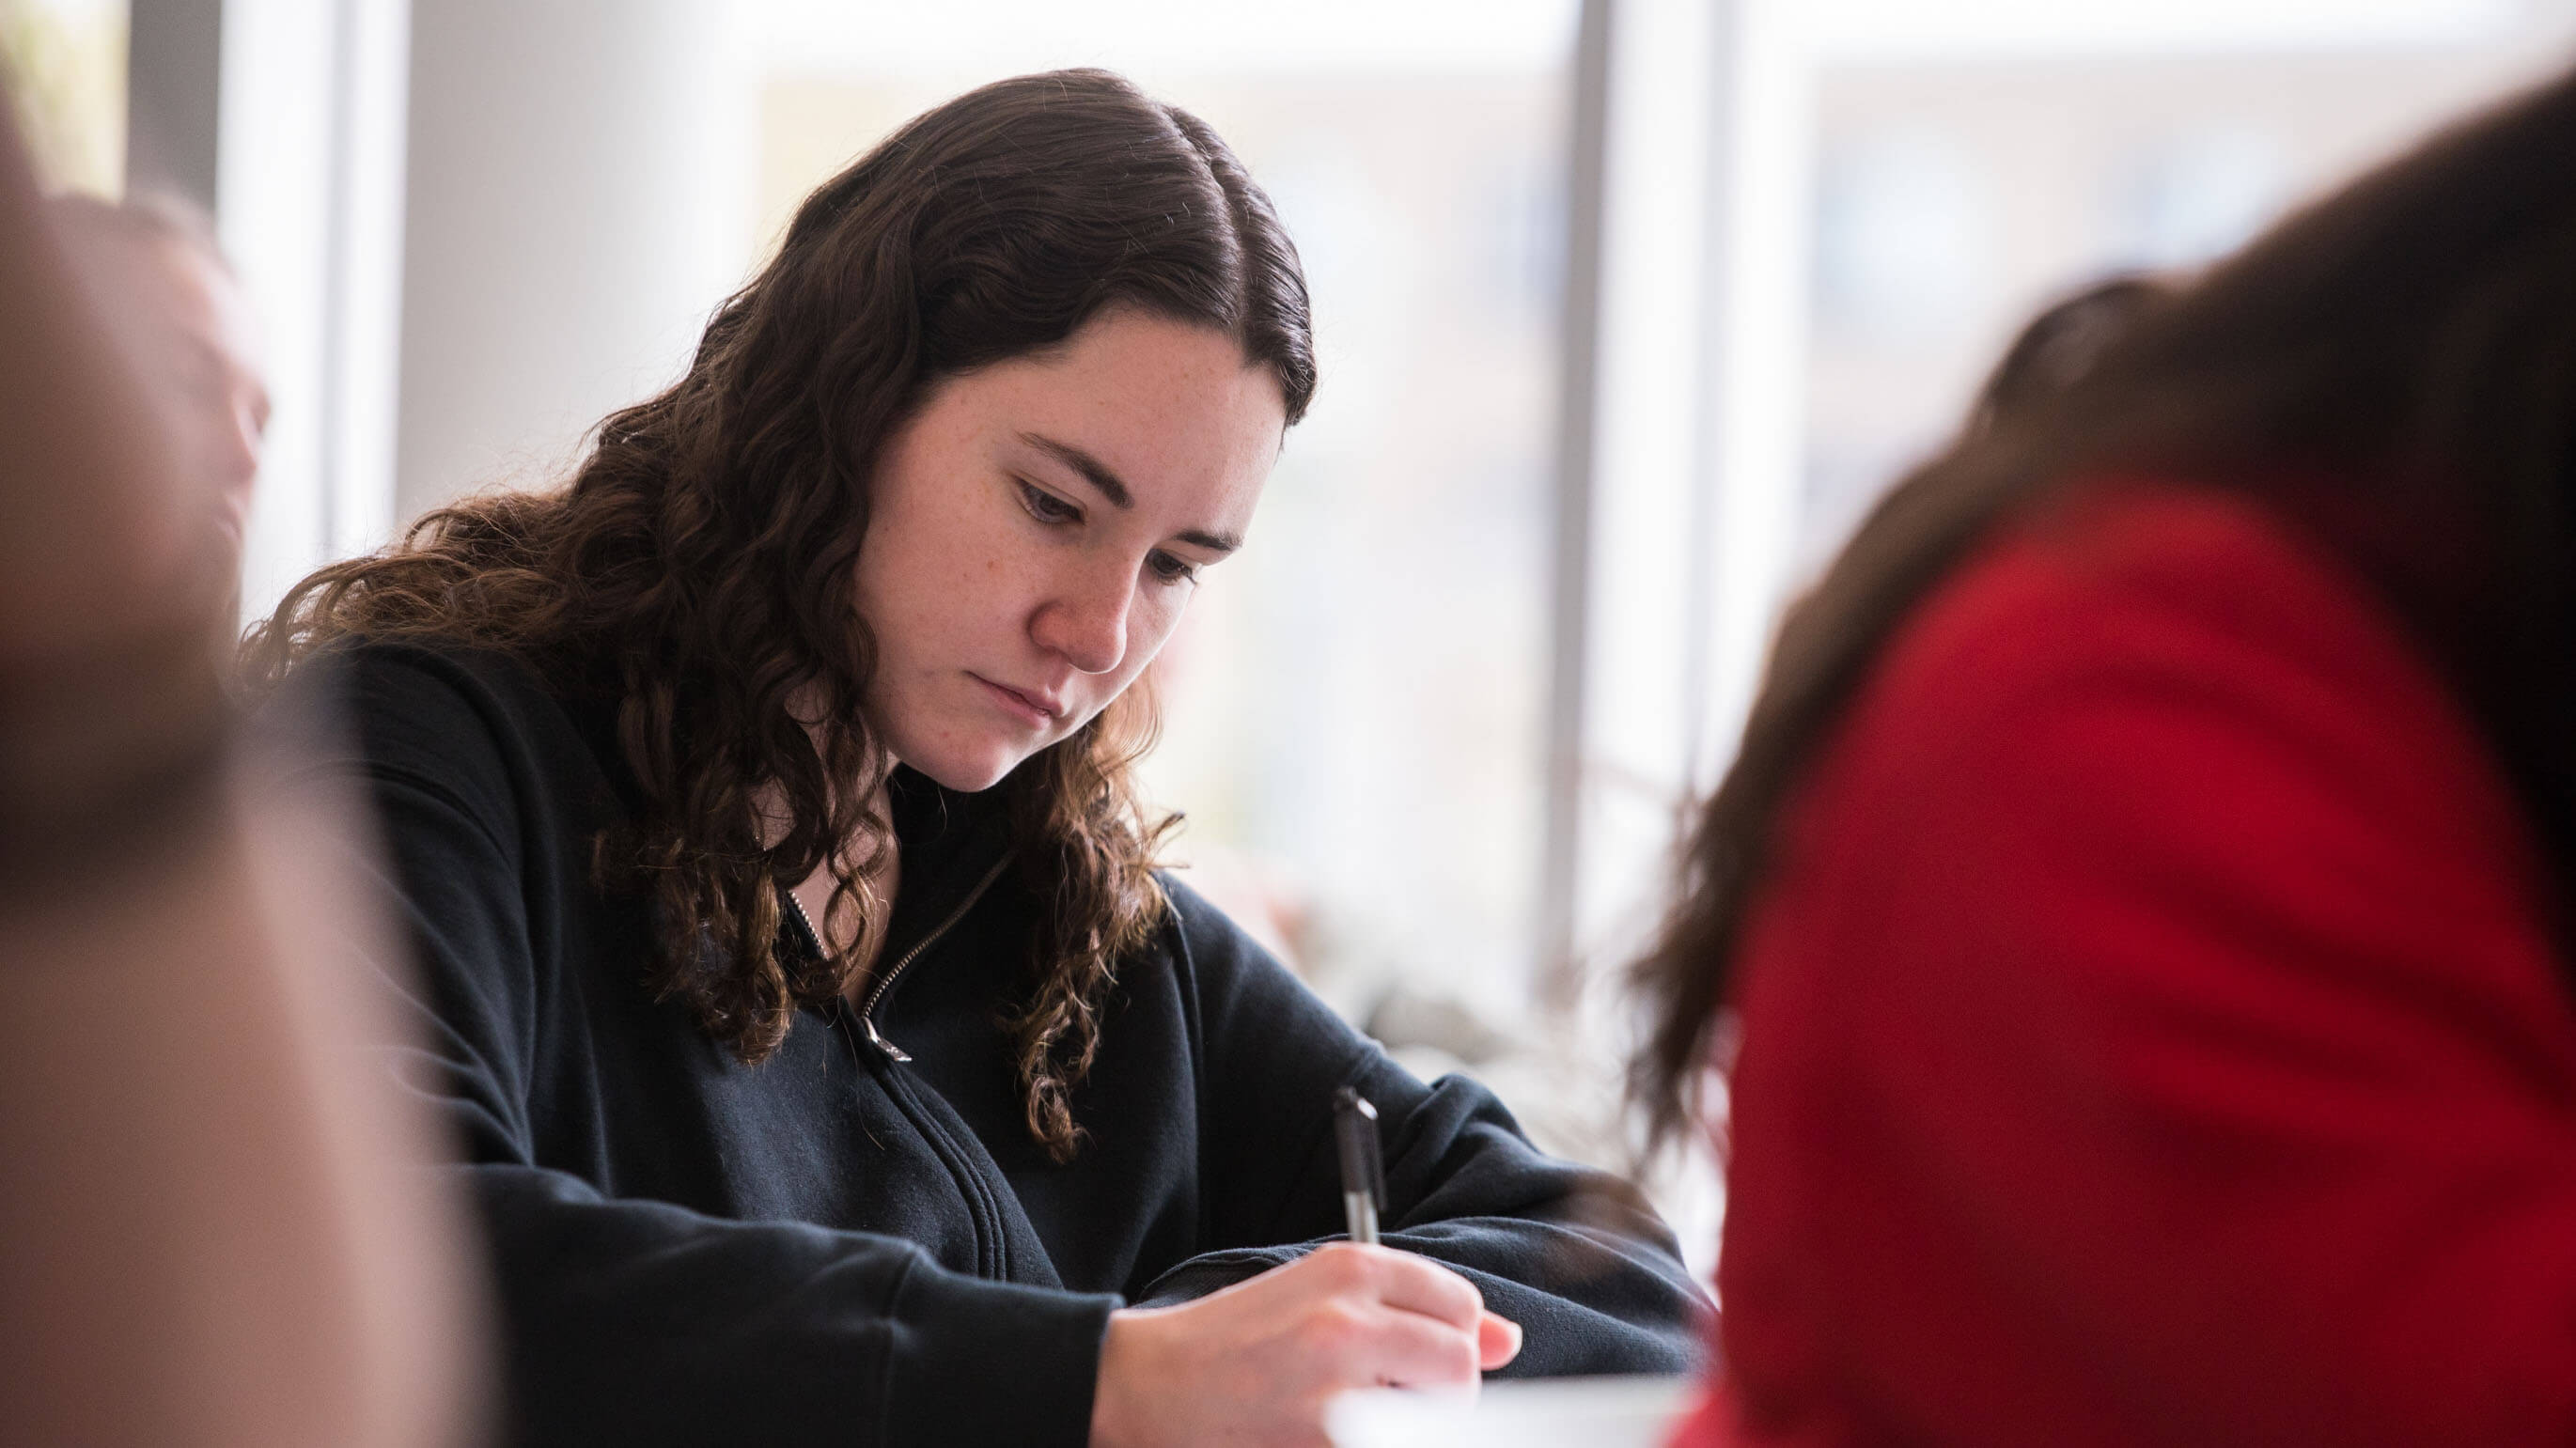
(883, 597)
(1157, 616)
(1159, 609)
(935, 602)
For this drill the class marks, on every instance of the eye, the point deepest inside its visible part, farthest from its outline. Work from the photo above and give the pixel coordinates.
(1046, 507)
(1171, 568)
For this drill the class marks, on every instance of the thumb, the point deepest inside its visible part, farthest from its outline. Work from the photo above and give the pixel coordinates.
(1498, 1341)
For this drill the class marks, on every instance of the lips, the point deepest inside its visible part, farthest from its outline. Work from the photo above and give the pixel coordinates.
(1038, 710)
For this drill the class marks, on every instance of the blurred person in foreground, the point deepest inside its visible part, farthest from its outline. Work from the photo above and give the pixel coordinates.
(206, 1231)
(2138, 918)
(833, 1065)
(172, 298)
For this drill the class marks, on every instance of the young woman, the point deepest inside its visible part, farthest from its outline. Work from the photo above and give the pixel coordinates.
(832, 1065)
(2142, 897)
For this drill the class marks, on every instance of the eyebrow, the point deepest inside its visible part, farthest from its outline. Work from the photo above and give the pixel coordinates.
(1101, 476)
(223, 364)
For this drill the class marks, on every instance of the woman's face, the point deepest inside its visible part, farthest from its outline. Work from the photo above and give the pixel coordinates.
(1038, 527)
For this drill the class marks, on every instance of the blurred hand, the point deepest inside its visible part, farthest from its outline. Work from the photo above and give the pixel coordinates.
(1255, 1363)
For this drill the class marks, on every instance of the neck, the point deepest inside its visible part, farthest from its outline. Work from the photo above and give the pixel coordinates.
(815, 893)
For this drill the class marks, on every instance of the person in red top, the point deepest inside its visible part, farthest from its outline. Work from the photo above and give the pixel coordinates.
(2135, 926)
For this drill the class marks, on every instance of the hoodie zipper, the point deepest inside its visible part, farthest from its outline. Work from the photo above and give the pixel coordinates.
(876, 993)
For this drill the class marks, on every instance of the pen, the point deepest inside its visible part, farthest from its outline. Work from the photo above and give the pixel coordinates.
(1363, 1170)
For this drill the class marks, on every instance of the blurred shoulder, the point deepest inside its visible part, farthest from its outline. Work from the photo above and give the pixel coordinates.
(2185, 649)
(2142, 585)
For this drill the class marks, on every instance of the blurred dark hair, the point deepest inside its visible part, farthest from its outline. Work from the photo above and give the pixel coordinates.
(2056, 348)
(2392, 370)
(704, 551)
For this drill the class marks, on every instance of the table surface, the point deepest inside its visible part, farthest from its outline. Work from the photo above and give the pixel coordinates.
(1630, 1412)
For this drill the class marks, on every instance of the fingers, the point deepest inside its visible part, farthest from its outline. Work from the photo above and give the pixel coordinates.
(1408, 1350)
(1404, 1281)
(1433, 1329)
(1257, 1361)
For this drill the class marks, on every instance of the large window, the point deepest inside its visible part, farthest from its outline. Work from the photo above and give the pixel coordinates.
(63, 62)
(1966, 172)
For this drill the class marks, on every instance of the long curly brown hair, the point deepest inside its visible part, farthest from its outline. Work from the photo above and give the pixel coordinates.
(702, 558)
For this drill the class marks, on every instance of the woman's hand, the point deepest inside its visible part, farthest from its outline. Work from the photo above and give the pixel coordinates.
(1255, 1363)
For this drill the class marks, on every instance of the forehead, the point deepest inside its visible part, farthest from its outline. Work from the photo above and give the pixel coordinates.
(207, 301)
(169, 287)
(1174, 408)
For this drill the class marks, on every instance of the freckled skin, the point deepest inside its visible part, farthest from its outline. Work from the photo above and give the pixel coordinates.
(991, 561)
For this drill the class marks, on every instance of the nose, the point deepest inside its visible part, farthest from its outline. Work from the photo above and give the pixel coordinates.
(233, 452)
(236, 447)
(1085, 622)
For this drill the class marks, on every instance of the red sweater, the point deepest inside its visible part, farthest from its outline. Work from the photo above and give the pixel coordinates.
(2151, 1031)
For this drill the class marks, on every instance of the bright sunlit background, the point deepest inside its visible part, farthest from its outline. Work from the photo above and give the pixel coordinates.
(1626, 310)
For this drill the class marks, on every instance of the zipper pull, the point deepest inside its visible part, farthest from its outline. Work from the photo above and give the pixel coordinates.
(892, 1051)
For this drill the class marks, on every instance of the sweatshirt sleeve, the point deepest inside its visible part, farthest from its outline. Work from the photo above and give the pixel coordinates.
(638, 1322)
(1575, 1256)
(2152, 1032)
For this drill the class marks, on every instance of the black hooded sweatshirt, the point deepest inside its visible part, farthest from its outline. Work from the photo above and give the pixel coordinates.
(857, 1241)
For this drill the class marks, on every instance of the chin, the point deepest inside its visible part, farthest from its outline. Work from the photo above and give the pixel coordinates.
(969, 774)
